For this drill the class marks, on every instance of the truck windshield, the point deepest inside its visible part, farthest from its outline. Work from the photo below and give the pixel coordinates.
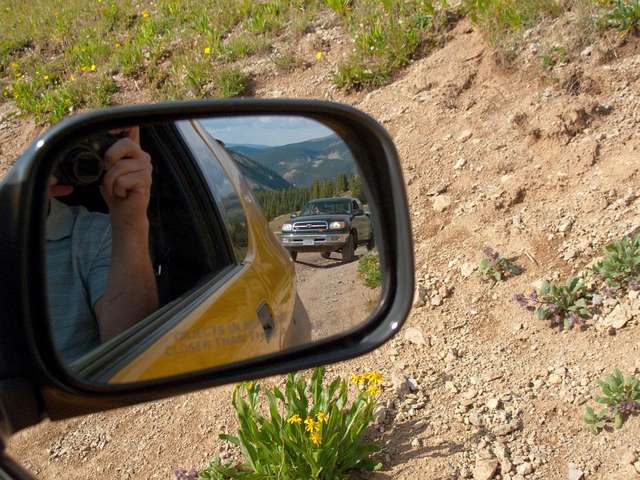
(326, 207)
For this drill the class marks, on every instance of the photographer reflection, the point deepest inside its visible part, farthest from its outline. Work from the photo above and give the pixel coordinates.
(99, 271)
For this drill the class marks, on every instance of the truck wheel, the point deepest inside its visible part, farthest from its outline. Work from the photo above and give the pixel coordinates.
(294, 255)
(325, 254)
(348, 251)
(371, 243)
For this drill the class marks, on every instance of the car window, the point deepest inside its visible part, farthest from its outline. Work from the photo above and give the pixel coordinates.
(227, 199)
(354, 206)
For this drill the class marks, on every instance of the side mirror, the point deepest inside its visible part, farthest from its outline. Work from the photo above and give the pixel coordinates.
(140, 260)
(293, 215)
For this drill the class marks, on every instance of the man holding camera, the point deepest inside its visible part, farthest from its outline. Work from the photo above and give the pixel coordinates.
(100, 275)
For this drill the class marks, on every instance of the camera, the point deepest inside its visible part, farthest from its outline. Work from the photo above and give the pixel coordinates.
(81, 162)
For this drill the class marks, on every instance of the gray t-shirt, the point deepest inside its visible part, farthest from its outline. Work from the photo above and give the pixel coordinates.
(78, 260)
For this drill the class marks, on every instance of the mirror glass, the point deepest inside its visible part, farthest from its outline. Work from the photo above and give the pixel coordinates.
(183, 246)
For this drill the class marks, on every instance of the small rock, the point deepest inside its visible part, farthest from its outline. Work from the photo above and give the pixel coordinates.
(493, 403)
(460, 164)
(414, 386)
(444, 291)
(587, 51)
(400, 384)
(415, 336)
(503, 430)
(451, 387)
(420, 296)
(555, 379)
(467, 269)
(469, 394)
(637, 466)
(464, 136)
(441, 203)
(574, 473)
(436, 300)
(618, 317)
(415, 443)
(379, 414)
(485, 469)
(524, 469)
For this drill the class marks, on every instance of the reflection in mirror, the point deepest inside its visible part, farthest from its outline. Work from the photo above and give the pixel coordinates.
(178, 247)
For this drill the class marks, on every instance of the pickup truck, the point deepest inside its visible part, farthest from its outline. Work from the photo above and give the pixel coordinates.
(328, 225)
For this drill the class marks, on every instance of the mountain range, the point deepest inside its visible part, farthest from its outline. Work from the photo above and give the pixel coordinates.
(295, 164)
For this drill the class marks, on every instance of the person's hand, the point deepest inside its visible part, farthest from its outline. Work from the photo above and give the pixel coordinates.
(126, 185)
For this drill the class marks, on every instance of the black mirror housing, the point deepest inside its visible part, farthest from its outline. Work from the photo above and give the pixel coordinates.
(26, 348)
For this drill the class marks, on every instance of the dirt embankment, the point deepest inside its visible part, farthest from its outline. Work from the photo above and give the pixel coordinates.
(541, 167)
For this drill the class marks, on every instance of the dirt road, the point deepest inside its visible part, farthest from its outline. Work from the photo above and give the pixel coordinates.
(335, 299)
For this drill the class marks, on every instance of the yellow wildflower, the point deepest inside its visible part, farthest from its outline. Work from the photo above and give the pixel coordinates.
(373, 390)
(117, 45)
(294, 419)
(93, 67)
(357, 379)
(315, 438)
(72, 77)
(318, 56)
(45, 77)
(145, 14)
(322, 417)
(14, 65)
(311, 425)
(374, 378)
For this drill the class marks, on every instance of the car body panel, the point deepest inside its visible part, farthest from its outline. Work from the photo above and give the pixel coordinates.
(225, 327)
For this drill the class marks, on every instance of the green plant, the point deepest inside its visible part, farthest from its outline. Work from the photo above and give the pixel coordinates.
(622, 399)
(552, 57)
(495, 268)
(620, 266)
(369, 270)
(312, 431)
(341, 7)
(625, 15)
(231, 82)
(564, 305)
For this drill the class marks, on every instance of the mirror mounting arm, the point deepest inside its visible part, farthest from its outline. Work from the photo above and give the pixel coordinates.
(18, 407)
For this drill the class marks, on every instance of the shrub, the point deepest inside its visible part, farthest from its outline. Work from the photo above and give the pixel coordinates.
(563, 305)
(622, 398)
(496, 268)
(312, 431)
(369, 270)
(621, 265)
(231, 82)
(625, 15)
(500, 18)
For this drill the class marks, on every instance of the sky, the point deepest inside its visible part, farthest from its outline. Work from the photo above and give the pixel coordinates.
(274, 130)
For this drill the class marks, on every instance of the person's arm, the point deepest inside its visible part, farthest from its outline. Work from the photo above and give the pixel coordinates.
(130, 293)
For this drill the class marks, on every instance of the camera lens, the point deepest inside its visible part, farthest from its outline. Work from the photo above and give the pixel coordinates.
(82, 167)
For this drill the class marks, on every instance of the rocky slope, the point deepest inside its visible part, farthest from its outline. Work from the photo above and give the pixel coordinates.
(540, 167)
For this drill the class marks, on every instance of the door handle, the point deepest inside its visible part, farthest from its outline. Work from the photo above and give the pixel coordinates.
(266, 320)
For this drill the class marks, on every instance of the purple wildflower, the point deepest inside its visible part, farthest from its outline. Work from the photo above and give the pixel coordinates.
(521, 299)
(634, 285)
(533, 296)
(552, 307)
(628, 407)
(183, 474)
(610, 292)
